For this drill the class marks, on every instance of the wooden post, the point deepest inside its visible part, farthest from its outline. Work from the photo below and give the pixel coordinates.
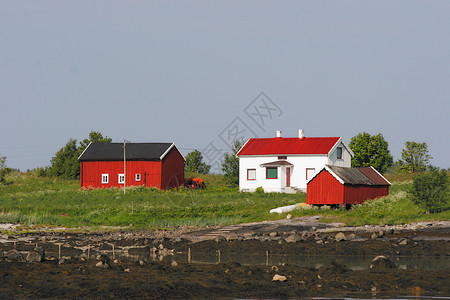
(114, 252)
(267, 258)
(15, 243)
(218, 251)
(59, 251)
(189, 255)
(89, 251)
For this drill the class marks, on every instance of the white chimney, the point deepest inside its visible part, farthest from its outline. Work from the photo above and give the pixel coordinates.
(301, 133)
(278, 133)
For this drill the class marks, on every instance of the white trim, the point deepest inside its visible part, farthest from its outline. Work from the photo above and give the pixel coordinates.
(136, 177)
(237, 153)
(84, 151)
(331, 172)
(381, 175)
(118, 178)
(341, 140)
(168, 150)
(107, 178)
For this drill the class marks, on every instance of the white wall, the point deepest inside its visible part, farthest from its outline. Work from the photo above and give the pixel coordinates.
(346, 160)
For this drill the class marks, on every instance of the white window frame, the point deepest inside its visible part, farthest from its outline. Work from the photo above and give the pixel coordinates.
(310, 169)
(138, 177)
(339, 149)
(121, 178)
(248, 174)
(105, 178)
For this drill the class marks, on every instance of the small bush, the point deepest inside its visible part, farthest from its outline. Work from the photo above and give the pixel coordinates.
(259, 190)
(430, 190)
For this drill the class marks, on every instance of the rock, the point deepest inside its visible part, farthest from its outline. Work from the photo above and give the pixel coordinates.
(289, 216)
(293, 238)
(104, 258)
(273, 234)
(374, 236)
(34, 256)
(403, 242)
(14, 255)
(84, 256)
(161, 247)
(280, 278)
(381, 233)
(352, 236)
(127, 270)
(174, 264)
(101, 264)
(116, 261)
(340, 237)
(382, 263)
(220, 238)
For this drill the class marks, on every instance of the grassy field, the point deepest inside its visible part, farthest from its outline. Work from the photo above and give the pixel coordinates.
(32, 200)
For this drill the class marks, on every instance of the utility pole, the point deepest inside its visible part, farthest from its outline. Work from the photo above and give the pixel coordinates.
(124, 167)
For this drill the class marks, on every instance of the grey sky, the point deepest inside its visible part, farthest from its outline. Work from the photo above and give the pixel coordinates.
(182, 71)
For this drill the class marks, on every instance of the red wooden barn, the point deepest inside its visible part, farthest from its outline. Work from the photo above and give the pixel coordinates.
(159, 165)
(345, 186)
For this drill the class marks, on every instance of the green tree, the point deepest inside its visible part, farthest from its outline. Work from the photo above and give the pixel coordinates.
(415, 158)
(430, 190)
(94, 137)
(65, 162)
(194, 163)
(371, 151)
(2, 169)
(230, 165)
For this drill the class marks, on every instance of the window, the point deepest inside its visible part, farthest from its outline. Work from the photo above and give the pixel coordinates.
(271, 173)
(138, 177)
(339, 152)
(105, 178)
(282, 157)
(310, 172)
(251, 174)
(121, 178)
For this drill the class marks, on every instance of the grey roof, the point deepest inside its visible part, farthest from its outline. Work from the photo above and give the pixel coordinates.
(277, 163)
(359, 176)
(134, 151)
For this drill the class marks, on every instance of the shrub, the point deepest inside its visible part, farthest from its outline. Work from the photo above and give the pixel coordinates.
(430, 190)
(259, 190)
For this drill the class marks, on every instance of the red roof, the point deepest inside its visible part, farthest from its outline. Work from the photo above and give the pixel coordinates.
(284, 146)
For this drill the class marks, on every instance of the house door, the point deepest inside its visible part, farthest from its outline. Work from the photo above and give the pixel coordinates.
(288, 177)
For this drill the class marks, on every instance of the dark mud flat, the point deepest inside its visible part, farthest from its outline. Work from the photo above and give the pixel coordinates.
(138, 273)
(83, 280)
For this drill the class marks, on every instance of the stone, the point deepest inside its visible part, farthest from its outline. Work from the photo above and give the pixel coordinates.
(220, 238)
(14, 255)
(340, 237)
(293, 238)
(273, 234)
(161, 247)
(382, 263)
(289, 216)
(280, 278)
(374, 236)
(34, 256)
(381, 233)
(352, 236)
(403, 242)
(174, 264)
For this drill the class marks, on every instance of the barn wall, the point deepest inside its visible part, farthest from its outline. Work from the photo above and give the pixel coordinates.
(91, 173)
(172, 170)
(325, 189)
(357, 194)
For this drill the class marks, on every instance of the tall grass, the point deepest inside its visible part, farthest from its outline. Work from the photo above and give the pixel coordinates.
(34, 200)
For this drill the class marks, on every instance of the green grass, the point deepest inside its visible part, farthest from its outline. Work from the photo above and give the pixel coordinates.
(32, 200)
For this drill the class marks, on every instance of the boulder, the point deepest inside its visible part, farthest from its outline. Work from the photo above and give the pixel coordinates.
(340, 237)
(293, 238)
(14, 255)
(280, 278)
(382, 263)
(34, 256)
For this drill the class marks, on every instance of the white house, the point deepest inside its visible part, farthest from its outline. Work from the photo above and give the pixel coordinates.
(286, 164)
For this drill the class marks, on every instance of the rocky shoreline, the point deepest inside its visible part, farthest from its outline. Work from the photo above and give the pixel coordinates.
(61, 264)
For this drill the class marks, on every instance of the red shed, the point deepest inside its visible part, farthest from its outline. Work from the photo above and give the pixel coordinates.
(337, 185)
(159, 165)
